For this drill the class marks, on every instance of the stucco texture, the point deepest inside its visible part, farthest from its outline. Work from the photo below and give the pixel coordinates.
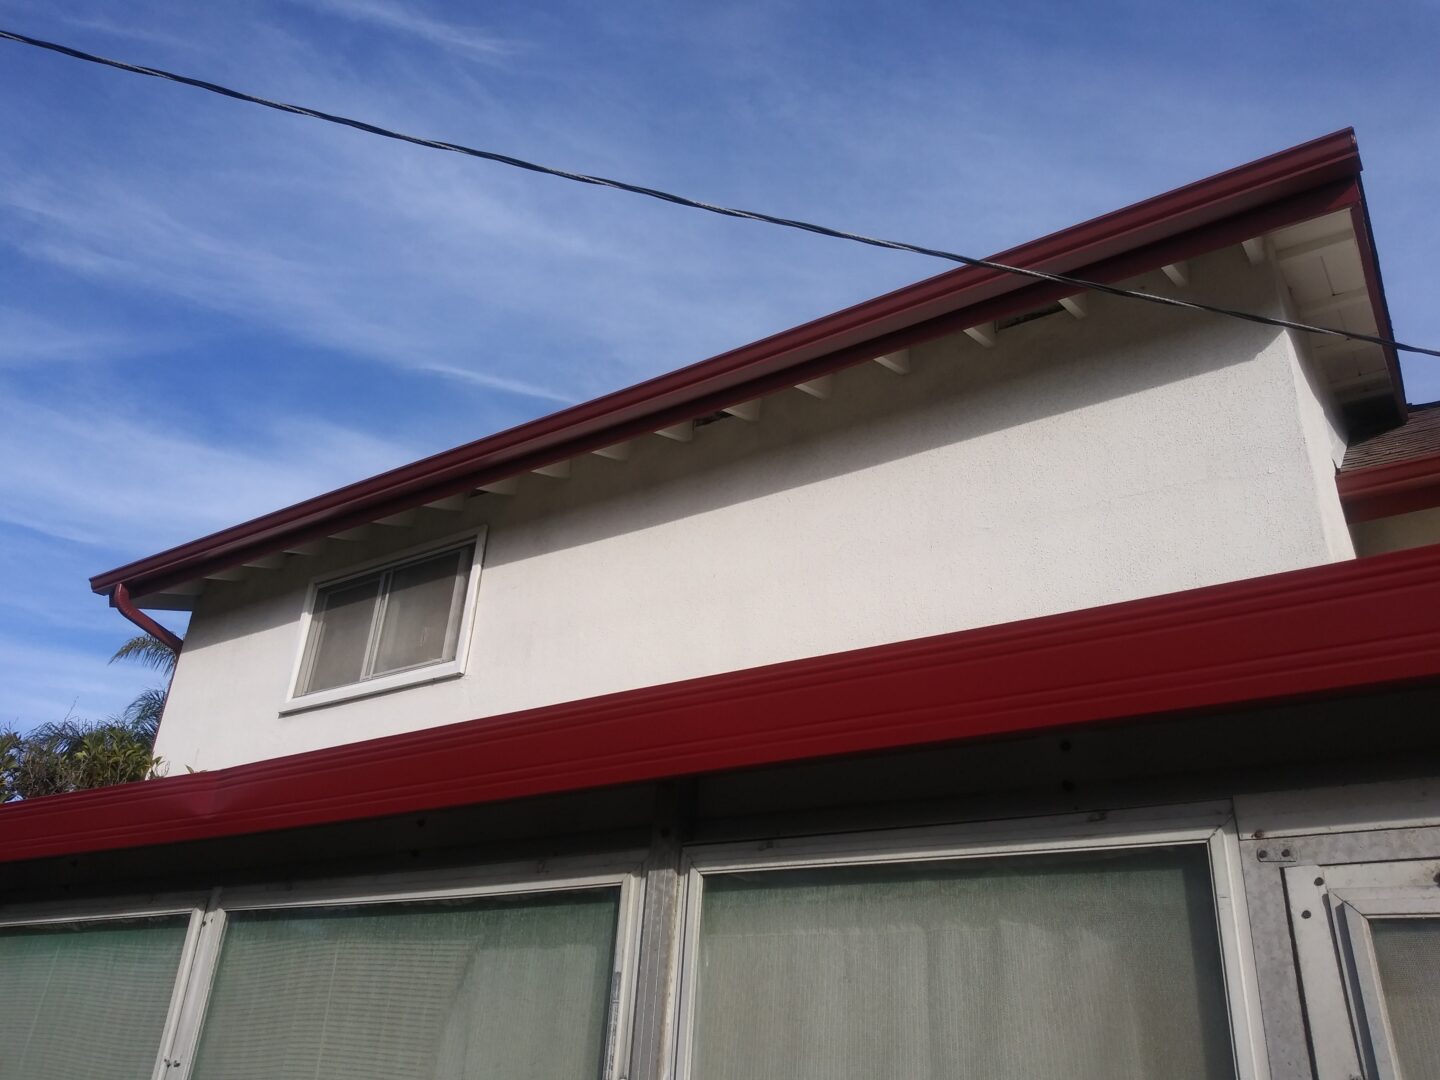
(1135, 452)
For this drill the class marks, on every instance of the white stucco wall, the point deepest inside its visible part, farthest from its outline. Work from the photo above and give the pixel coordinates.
(1321, 428)
(1137, 452)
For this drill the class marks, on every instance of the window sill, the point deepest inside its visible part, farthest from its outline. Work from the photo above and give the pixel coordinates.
(387, 684)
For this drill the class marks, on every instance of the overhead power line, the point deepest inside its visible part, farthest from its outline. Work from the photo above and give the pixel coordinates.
(696, 204)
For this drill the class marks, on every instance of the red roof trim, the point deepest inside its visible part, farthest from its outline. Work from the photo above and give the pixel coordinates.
(1375, 286)
(1325, 630)
(1386, 490)
(1302, 182)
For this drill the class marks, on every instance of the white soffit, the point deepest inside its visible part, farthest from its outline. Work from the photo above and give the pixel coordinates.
(175, 598)
(1319, 262)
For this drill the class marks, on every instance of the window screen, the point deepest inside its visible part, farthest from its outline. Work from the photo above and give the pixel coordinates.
(1076, 967)
(1407, 952)
(87, 1001)
(483, 989)
(393, 620)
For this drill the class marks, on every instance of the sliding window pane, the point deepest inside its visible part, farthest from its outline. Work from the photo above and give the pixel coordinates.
(87, 1001)
(1408, 954)
(340, 635)
(422, 613)
(1076, 967)
(513, 988)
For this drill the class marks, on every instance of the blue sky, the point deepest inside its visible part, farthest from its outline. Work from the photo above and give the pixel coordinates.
(209, 310)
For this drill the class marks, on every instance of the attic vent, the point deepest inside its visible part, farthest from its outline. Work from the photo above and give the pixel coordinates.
(1027, 316)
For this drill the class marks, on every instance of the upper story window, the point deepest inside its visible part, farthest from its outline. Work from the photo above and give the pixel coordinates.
(393, 625)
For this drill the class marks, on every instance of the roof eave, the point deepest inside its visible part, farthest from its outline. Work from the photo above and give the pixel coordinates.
(1305, 181)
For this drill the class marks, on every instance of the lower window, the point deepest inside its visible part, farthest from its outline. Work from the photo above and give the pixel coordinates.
(513, 986)
(500, 974)
(90, 999)
(1092, 965)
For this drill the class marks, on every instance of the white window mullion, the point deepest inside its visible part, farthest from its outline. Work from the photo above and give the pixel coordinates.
(1331, 1037)
(688, 955)
(1354, 931)
(1232, 919)
(197, 992)
(377, 619)
(458, 605)
(624, 965)
(165, 1054)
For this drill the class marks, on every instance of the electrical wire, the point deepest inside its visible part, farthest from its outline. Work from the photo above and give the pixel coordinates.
(724, 211)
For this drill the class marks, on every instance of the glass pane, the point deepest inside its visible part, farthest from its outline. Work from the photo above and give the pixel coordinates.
(87, 1001)
(1408, 954)
(422, 613)
(340, 634)
(490, 989)
(1098, 966)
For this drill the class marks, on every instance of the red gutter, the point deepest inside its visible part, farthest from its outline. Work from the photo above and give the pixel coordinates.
(1328, 630)
(1386, 490)
(1297, 184)
(120, 597)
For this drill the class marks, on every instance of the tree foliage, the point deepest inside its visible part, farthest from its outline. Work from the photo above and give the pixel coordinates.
(71, 755)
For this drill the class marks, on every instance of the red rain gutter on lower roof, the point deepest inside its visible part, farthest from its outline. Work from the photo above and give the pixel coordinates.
(1323, 631)
(1295, 185)
(120, 597)
(1387, 490)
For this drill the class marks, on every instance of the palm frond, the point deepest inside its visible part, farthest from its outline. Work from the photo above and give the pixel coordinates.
(147, 650)
(143, 714)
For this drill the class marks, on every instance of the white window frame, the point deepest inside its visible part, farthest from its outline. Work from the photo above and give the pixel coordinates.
(190, 905)
(1210, 825)
(417, 676)
(620, 872)
(1349, 1024)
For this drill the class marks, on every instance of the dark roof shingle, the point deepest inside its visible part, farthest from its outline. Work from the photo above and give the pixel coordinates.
(1418, 437)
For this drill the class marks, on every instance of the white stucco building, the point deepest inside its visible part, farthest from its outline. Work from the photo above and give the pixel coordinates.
(995, 678)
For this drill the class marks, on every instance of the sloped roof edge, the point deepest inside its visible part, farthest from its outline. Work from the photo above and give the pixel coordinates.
(1304, 181)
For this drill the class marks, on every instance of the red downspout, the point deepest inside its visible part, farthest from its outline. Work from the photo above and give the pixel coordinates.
(120, 597)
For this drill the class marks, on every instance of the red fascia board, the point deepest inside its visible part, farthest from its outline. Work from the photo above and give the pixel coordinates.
(1387, 490)
(1315, 177)
(1375, 286)
(1327, 630)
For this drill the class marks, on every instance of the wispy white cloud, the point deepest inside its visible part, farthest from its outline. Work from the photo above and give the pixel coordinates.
(93, 475)
(44, 683)
(131, 31)
(517, 387)
(27, 338)
(340, 294)
(424, 262)
(408, 20)
(456, 268)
